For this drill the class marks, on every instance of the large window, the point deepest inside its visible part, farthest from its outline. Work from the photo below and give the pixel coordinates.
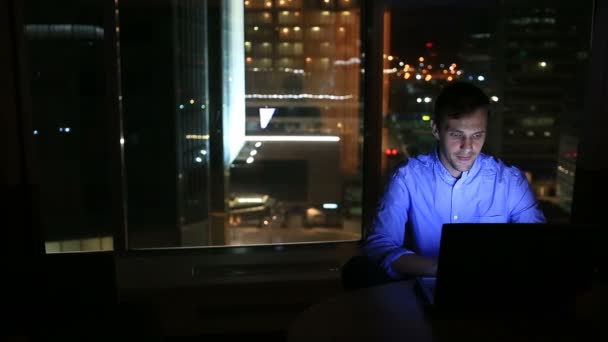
(531, 59)
(240, 122)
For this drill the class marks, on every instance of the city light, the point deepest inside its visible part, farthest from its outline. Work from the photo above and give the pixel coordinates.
(250, 200)
(426, 118)
(293, 138)
(330, 206)
(35, 132)
(547, 133)
(204, 152)
(122, 141)
(197, 137)
(250, 160)
(428, 77)
(494, 98)
(191, 101)
(299, 97)
(427, 99)
(419, 100)
(480, 78)
(198, 159)
(255, 28)
(391, 152)
(258, 144)
(390, 58)
(265, 116)
(450, 78)
(181, 106)
(407, 75)
(418, 76)
(400, 63)
(253, 152)
(420, 59)
(542, 64)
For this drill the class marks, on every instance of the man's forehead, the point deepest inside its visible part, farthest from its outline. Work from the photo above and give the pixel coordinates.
(471, 123)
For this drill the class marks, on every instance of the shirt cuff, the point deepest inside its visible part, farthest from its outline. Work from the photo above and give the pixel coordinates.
(388, 261)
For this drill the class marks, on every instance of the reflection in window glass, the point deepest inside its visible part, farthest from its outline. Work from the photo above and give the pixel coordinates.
(529, 56)
(165, 115)
(65, 46)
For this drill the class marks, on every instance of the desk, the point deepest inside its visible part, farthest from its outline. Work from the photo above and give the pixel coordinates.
(392, 312)
(379, 313)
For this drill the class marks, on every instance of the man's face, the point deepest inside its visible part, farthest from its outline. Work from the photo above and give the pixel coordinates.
(460, 140)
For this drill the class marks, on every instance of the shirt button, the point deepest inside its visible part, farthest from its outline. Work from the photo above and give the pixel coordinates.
(455, 217)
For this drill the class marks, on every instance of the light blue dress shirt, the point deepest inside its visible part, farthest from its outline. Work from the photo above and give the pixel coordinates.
(422, 195)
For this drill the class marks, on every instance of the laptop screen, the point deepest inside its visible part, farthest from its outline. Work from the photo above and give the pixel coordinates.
(502, 268)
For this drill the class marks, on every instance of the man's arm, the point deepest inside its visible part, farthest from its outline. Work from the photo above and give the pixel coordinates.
(385, 241)
(522, 202)
(415, 265)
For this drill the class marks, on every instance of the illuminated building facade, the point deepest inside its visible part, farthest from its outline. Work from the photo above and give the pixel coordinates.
(545, 48)
(303, 58)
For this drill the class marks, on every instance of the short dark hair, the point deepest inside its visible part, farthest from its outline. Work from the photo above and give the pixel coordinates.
(459, 99)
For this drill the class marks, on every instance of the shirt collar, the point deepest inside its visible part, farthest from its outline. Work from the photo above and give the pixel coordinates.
(465, 177)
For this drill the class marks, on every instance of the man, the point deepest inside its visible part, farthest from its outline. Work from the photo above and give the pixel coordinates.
(455, 183)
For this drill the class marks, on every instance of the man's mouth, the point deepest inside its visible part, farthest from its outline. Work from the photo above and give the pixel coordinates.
(464, 158)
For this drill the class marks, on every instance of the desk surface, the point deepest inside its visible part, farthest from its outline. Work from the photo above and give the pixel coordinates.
(380, 313)
(393, 312)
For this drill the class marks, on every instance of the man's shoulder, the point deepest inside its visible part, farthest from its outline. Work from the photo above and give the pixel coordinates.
(421, 161)
(497, 167)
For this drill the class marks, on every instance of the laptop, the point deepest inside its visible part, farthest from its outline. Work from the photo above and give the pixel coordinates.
(498, 269)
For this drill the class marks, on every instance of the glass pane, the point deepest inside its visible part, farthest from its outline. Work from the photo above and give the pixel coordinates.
(163, 52)
(529, 56)
(66, 56)
(297, 177)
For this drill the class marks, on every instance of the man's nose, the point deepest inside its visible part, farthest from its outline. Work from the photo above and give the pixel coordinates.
(466, 143)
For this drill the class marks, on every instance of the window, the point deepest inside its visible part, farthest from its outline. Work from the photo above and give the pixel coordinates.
(283, 163)
(523, 55)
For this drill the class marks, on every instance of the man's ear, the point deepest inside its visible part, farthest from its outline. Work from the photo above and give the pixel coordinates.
(435, 129)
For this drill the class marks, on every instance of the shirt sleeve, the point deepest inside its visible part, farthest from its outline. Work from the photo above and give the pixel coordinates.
(385, 239)
(522, 203)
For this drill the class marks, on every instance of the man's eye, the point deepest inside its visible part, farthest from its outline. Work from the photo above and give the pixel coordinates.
(455, 134)
(477, 136)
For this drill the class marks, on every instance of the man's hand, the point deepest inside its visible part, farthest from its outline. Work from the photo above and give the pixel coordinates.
(415, 265)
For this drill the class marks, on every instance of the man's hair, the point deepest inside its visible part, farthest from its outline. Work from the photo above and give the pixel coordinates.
(457, 100)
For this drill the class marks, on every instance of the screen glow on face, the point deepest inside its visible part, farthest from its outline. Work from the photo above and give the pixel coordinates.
(461, 140)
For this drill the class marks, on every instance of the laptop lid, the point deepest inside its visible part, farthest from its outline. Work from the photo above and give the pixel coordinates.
(505, 269)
